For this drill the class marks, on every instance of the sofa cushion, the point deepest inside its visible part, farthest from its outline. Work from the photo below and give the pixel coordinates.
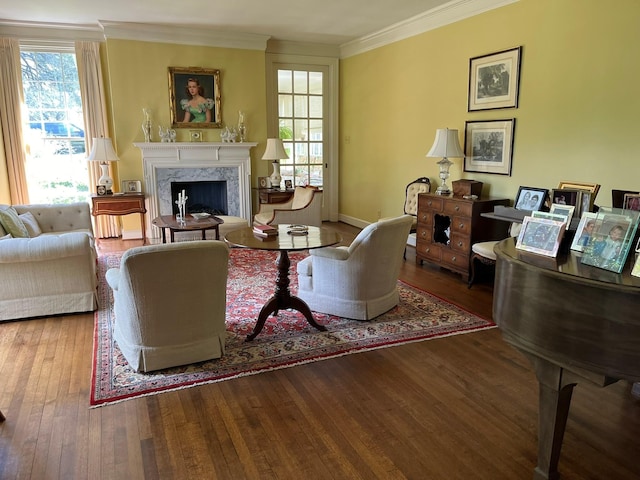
(12, 224)
(31, 224)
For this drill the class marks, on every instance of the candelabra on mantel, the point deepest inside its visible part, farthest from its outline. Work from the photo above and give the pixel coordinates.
(181, 217)
(242, 128)
(146, 125)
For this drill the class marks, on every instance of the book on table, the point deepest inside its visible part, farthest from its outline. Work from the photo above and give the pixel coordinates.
(265, 230)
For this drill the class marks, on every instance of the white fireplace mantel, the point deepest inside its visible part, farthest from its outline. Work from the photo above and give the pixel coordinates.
(206, 160)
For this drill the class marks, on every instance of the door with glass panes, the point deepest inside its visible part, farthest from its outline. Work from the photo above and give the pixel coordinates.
(301, 125)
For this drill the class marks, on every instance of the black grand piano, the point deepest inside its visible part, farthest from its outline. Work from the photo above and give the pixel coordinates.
(574, 322)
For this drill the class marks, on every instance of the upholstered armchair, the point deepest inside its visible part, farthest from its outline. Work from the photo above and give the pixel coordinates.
(170, 303)
(304, 208)
(358, 281)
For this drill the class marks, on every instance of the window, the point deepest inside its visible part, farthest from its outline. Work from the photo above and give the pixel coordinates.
(301, 125)
(53, 130)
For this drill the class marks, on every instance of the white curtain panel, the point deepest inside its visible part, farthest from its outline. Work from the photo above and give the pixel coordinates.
(94, 106)
(10, 119)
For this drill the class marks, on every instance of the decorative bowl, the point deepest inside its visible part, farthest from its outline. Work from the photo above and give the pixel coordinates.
(201, 215)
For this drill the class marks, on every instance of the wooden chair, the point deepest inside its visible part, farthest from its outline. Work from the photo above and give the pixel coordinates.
(483, 252)
(419, 185)
(304, 207)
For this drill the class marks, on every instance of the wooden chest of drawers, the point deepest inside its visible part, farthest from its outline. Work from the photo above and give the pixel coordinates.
(448, 226)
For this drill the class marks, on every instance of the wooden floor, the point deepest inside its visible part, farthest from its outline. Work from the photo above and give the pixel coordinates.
(461, 407)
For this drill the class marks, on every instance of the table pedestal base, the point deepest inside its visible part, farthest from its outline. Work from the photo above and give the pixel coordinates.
(282, 299)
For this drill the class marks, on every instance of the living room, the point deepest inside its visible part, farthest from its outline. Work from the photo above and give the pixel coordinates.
(575, 103)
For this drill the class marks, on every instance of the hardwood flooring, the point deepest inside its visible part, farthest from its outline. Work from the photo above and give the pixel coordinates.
(461, 407)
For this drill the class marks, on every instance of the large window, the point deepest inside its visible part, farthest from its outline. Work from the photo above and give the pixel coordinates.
(53, 129)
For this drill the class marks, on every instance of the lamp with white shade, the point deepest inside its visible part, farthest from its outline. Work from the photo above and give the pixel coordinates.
(275, 151)
(102, 151)
(446, 145)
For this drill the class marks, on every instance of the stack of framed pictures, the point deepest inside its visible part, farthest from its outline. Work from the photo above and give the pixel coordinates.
(579, 195)
(611, 239)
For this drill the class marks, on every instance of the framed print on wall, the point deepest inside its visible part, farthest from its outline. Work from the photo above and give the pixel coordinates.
(488, 146)
(494, 80)
(195, 97)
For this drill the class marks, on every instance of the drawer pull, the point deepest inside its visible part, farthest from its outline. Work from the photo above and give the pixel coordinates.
(457, 208)
(459, 244)
(461, 226)
(427, 250)
(453, 259)
(423, 234)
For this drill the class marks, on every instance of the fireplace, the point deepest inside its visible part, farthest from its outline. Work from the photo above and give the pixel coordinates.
(228, 165)
(208, 196)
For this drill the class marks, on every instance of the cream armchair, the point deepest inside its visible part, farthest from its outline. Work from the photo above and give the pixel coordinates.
(170, 303)
(304, 208)
(359, 281)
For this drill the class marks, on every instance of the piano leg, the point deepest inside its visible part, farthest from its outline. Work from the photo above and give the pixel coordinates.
(556, 387)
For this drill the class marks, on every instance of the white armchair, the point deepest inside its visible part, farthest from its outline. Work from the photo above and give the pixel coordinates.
(359, 281)
(170, 303)
(304, 208)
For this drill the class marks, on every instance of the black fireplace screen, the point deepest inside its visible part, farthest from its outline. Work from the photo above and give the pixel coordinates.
(206, 196)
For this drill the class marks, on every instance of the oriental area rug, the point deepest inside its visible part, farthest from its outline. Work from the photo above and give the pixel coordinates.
(283, 343)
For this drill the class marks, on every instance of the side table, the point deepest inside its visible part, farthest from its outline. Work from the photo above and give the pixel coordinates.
(120, 205)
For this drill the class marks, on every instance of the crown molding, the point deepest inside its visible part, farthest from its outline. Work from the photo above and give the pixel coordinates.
(186, 35)
(446, 14)
(35, 31)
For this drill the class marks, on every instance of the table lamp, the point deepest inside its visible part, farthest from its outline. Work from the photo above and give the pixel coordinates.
(445, 145)
(102, 151)
(275, 151)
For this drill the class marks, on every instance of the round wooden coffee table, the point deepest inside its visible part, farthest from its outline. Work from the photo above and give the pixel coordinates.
(169, 222)
(316, 237)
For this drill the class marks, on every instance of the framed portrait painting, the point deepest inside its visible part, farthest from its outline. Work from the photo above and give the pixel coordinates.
(195, 97)
(489, 146)
(494, 80)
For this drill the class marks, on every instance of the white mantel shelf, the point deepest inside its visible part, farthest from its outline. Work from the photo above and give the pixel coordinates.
(207, 158)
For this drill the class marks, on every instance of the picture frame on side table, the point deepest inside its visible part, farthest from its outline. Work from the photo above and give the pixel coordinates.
(541, 236)
(530, 198)
(195, 97)
(494, 80)
(101, 190)
(488, 146)
(131, 186)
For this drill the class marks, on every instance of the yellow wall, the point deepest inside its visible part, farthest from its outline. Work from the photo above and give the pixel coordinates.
(577, 118)
(138, 78)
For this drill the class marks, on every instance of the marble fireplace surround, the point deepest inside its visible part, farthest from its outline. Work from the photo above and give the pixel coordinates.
(164, 163)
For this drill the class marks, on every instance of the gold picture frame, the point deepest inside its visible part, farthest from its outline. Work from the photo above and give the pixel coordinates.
(195, 97)
(592, 187)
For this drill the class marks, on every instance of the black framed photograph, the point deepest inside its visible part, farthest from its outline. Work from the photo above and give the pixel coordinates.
(101, 190)
(494, 80)
(288, 184)
(195, 97)
(530, 198)
(489, 146)
(541, 236)
(131, 186)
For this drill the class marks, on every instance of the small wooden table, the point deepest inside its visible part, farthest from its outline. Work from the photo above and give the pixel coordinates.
(122, 204)
(282, 299)
(173, 225)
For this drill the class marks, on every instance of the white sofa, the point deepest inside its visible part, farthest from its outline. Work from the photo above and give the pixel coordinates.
(53, 271)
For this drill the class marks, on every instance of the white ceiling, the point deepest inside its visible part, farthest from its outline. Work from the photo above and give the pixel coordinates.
(331, 22)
